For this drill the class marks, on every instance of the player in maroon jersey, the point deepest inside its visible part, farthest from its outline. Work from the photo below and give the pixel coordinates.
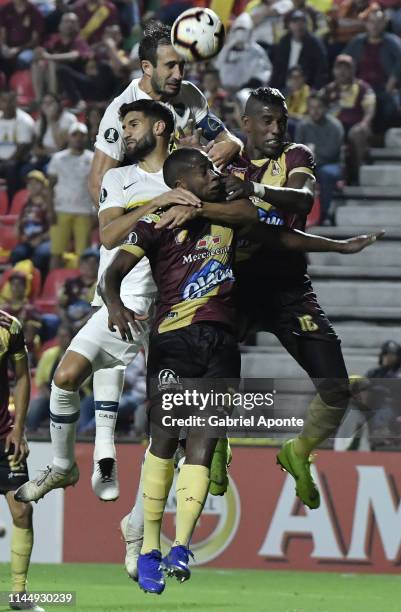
(279, 177)
(13, 453)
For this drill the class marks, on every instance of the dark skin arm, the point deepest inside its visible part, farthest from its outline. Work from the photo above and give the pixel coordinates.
(21, 401)
(119, 315)
(296, 197)
(236, 214)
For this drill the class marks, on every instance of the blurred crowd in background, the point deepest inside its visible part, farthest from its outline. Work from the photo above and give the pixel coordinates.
(337, 61)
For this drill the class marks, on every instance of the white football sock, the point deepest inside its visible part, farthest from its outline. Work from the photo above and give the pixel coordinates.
(64, 414)
(107, 388)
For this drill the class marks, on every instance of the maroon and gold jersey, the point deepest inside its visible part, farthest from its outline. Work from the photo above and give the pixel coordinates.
(260, 262)
(193, 271)
(12, 348)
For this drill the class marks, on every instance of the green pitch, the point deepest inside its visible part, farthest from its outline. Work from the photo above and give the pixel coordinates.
(105, 588)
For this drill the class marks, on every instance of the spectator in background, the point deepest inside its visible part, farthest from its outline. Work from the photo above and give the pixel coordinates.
(268, 20)
(353, 102)
(68, 172)
(77, 293)
(313, 17)
(297, 94)
(94, 17)
(241, 62)
(389, 361)
(51, 130)
(299, 47)
(16, 138)
(96, 83)
(65, 47)
(377, 56)
(34, 223)
(110, 50)
(215, 95)
(21, 29)
(94, 116)
(324, 135)
(48, 362)
(348, 19)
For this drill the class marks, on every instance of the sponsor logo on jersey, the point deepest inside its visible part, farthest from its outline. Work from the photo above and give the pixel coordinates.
(186, 259)
(128, 186)
(132, 238)
(276, 170)
(213, 274)
(208, 242)
(111, 135)
(168, 379)
(103, 195)
(171, 315)
(271, 217)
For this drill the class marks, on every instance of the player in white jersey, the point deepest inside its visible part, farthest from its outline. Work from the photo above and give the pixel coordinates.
(162, 80)
(138, 190)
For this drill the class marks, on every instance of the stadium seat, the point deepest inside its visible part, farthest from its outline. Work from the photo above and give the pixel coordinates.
(8, 241)
(21, 82)
(3, 202)
(53, 283)
(19, 201)
(35, 285)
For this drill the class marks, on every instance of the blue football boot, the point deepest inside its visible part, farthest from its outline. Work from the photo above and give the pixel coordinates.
(176, 563)
(150, 574)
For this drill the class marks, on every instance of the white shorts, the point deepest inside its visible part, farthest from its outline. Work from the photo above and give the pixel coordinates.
(106, 349)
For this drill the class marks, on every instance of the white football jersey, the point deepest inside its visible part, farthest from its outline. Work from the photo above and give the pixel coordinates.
(129, 187)
(190, 103)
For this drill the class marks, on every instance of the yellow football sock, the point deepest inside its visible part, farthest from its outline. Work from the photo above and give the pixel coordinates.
(21, 548)
(191, 490)
(157, 479)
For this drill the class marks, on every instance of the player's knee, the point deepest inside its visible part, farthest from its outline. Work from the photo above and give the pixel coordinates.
(22, 515)
(67, 377)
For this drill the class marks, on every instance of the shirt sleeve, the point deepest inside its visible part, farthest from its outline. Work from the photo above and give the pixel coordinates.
(17, 348)
(111, 192)
(300, 159)
(141, 241)
(109, 138)
(197, 102)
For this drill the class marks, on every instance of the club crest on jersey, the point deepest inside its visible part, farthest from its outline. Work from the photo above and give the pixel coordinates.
(132, 238)
(111, 135)
(103, 195)
(208, 242)
(276, 170)
(180, 236)
(207, 278)
(168, 379)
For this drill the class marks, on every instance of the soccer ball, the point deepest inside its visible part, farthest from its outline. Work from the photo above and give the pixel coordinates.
(197, 34)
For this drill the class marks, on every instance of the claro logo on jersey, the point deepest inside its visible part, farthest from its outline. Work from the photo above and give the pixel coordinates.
(199, 284)
(215, 529)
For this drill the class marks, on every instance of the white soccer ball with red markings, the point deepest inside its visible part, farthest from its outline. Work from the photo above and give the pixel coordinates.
(197, 34)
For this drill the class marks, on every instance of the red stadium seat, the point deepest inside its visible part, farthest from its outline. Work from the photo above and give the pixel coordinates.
(21, 82)
(53, 283)
(19, 201)
(8, 241)
(35, 285)
(3, 201)
(315, 213)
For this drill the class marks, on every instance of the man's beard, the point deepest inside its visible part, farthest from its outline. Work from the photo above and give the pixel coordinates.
(144, 146)
(157, 88)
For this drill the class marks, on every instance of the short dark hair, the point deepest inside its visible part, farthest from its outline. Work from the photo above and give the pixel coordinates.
(296, 68)
(319, 97)
(266, 95)
(150, 108)
(155, 33)
(179, 163)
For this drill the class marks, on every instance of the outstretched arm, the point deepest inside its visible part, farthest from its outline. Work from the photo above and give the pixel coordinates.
(282, 238)
(110, 284)
(239, 214)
